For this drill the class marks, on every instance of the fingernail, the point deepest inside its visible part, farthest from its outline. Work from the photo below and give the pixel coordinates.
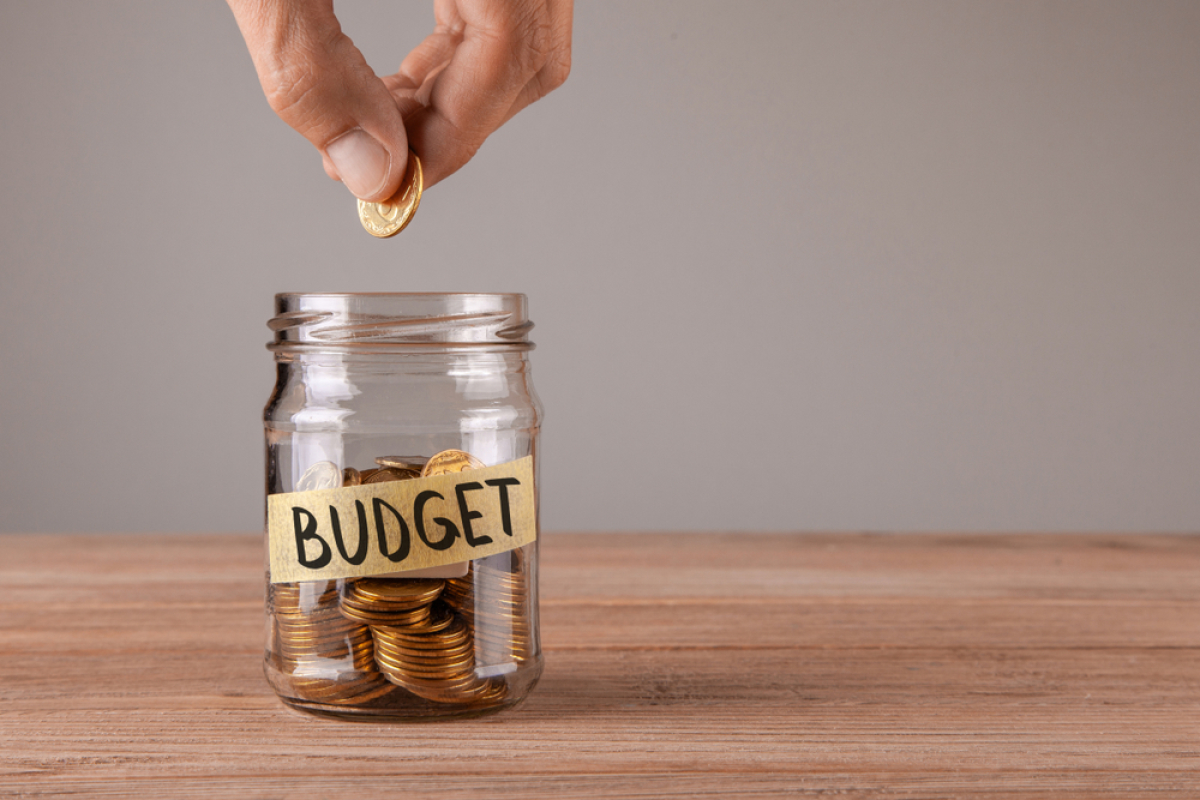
(361, 161)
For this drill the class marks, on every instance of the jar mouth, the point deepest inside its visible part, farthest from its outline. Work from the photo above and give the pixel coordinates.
(305, 319)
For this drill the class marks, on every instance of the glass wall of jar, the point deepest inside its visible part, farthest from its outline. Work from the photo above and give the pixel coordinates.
(369, 388)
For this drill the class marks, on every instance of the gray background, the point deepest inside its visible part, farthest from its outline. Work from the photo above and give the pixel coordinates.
(794, 265)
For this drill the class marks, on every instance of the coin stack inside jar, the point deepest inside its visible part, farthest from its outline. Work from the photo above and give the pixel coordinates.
(494, 602)
(325, 656)
(382, 639)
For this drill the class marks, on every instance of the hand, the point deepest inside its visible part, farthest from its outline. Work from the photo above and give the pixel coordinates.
(484, 62)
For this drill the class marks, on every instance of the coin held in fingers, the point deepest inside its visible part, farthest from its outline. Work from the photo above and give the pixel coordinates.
(391, 216)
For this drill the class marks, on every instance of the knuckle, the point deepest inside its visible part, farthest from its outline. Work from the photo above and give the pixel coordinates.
(528, 36)
(557, 70)
(290, 91)
(296, 81)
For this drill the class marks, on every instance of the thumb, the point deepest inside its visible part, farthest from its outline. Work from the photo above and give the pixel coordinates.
(318, 82)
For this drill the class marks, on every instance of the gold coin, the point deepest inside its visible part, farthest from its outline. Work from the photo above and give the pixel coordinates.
(427, 647)
(302, 652)
(497, 690)
(384, 610)
(300, 619)
(391, 216)
(395, 591)
(299, 610)
(369, 602)
(309, 588)
(467, 692)
(299, 661)
(442, 666)
(440, 618)
(312, 641)
(426, 641)
(289, 603)
(351, 477)
(452, 686)
(361, 655)
(487, 589)
(331, 691)
(382, 689)
(316, 638)
(449, 673)
(449, 461)
(294, 643)
(323, 665)
(401, 650)
(403, 462)
(294, 611)
(422, 656)
(407, 620)
(398, 621)
(309, 644)
(392, 474)
(438, 697)
(297, 631)
(324, 642)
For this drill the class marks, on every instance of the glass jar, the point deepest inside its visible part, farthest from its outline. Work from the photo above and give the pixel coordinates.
(401, 505)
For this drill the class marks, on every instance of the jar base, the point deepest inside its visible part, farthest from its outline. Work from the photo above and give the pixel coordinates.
(393, 715)
(400, 705)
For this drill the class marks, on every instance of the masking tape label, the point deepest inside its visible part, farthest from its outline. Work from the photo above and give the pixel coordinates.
(376, 528)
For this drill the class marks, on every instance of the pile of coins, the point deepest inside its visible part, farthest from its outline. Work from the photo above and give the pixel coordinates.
(493, 601)
(378, 602)
(327, 475)
(362, 642)
(435, 661)
(314, 641)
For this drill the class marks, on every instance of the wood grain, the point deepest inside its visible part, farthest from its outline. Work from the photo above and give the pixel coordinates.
(683, 665)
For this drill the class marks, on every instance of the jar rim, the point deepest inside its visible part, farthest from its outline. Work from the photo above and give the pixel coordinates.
(400, 294)
(424, 319)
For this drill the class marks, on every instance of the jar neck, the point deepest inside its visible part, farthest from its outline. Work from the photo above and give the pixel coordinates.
(365, 353)
(338, 390)
(390, 324)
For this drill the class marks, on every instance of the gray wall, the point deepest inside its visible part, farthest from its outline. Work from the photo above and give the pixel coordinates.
(794, 265)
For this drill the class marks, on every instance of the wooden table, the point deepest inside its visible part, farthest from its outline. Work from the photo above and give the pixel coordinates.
(683, 665)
